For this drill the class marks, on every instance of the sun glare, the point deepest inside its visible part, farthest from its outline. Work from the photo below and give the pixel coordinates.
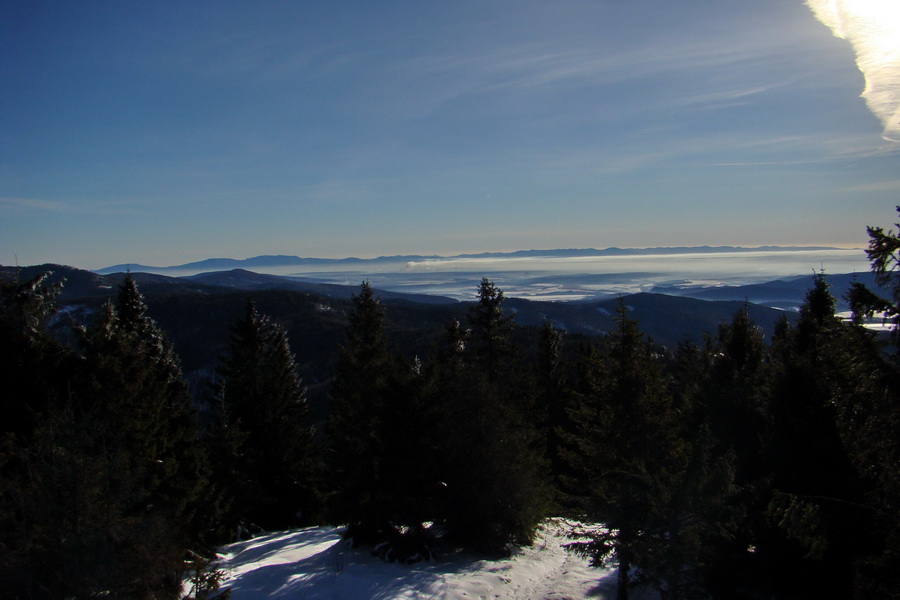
(873, 29)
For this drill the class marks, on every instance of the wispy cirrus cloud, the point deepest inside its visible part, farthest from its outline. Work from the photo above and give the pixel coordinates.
(32, 204)
(565, 85)
(39, 205)
(535, 68)
(875, 186)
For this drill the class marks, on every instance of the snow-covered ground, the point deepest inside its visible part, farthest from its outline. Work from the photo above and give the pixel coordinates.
(313, 564)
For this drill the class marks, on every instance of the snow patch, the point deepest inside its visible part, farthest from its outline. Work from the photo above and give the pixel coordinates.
(314, 564)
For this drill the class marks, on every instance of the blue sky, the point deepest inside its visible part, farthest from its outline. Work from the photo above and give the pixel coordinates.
(166, 132)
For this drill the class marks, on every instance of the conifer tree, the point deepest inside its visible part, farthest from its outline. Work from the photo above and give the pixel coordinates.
(734, 404)
(109, 500)
(445, 383)
(146, 433)
(738, 391)
(690, 372)
(490, 330)
(411, 461)
(633, 449)
(867, 407)
(496, 491)
(838, 414)
(554, 410)
(580, 439)
(810, 456)
(30, 359)
(37, 372)
(262, 427)
(382, 456)
(867, 403)
(702, 512)
(356, 447)
(883, 252)
(809, 460)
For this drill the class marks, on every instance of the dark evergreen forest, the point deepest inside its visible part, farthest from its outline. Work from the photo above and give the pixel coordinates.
(741, 462)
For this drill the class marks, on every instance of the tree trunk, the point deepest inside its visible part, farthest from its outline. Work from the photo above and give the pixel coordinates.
(622, 590)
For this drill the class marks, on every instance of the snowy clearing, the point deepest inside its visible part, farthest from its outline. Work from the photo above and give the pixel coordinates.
(314, 564)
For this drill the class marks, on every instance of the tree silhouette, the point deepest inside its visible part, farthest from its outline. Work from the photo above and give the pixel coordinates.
(268, 460)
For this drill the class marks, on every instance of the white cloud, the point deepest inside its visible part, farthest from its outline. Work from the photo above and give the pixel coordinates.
(873, 29)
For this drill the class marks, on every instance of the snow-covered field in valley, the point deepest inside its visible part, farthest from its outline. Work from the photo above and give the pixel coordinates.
(313, 564)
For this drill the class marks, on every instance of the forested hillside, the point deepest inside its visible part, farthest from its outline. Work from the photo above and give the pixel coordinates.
(736, 462)
(194, 313)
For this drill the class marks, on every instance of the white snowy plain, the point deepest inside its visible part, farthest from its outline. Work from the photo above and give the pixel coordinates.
(314, 564)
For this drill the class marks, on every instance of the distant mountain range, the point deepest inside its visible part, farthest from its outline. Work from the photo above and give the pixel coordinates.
(786, 293)
(195, 311)
(184, 304)
(280, 260)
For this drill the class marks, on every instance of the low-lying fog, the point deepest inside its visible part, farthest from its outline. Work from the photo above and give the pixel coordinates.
(573, 278)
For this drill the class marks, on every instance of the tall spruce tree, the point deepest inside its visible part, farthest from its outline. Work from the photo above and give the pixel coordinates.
(633, 446)
(381, 453)
(867, 405)
(411, 461)
(30, 359)
(883, 252)
(445, 385)
(702, 512)
(868, 412)
(496, 491)
(810, 463)
(37, 372)
(490, 332)
(145, 434)
(268, 461)
(580, 442)
(734, 404)
(110, 500)
(738, 392)
(553, 408)
(360, 494)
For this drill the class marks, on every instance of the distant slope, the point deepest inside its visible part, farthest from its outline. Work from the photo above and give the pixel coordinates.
(80, 284)
(221, 264)
(669, 320)
(787, 293)
(247, 280)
